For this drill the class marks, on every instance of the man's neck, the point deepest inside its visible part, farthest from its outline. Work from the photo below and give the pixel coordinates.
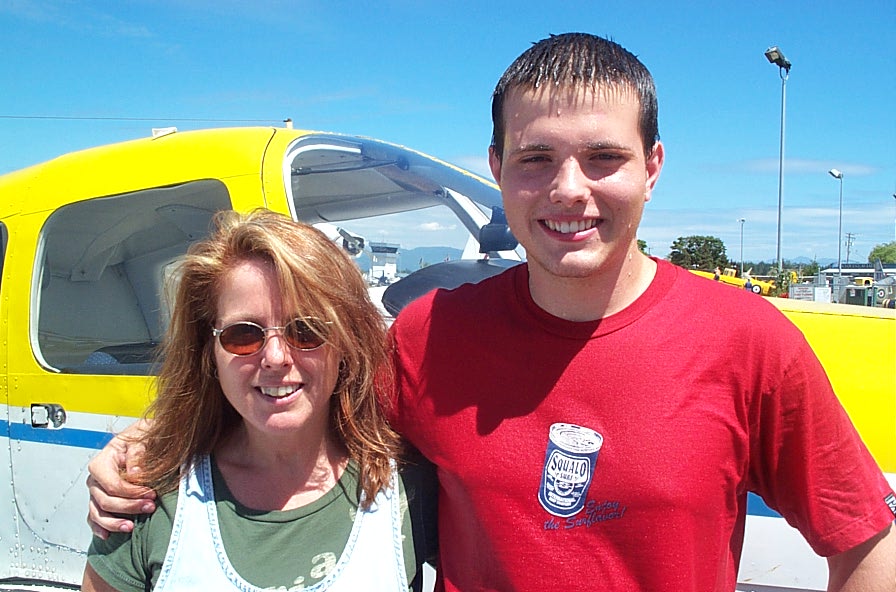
(596, 296)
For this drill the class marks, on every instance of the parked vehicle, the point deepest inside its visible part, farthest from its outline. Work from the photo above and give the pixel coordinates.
(729, 276)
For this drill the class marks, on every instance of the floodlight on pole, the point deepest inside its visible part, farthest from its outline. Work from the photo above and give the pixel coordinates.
(742, 220)
(775, 56)
(837, 174)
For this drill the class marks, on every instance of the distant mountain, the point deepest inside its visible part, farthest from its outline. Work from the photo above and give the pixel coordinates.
(822, 262)
(414, 259)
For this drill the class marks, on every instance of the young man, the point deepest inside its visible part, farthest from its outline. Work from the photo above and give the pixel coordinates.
(591, 428)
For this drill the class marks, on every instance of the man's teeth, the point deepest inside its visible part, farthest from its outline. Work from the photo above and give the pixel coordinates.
(569, 227)
(277, 392)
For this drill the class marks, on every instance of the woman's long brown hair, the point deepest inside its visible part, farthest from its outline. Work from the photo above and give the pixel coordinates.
(317, 278)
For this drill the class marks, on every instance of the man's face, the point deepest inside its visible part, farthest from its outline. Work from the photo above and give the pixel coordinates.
(574, 178)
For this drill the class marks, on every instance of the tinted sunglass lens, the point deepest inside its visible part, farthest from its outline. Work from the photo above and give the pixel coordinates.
(302, 334)
(242, 339)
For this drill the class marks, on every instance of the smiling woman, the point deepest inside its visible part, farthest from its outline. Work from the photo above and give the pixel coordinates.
(268, 421)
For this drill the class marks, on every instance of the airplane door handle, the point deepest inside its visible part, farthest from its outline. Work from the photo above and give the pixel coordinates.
(47, 415)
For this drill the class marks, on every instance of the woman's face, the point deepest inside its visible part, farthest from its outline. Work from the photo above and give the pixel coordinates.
(277, 390)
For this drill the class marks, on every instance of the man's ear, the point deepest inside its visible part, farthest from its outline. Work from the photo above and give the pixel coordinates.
(494, 163)
(654, 167)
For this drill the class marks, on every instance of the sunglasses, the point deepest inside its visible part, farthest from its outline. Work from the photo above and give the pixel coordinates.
(245, 338)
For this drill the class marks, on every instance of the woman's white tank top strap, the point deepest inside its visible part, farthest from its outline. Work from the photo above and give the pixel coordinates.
(373, 558)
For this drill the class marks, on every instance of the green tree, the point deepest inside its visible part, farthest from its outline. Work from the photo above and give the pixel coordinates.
(782, 281)
(699, 252)
(885, 251)
(756, 268)
(810, 269)
(642, 246)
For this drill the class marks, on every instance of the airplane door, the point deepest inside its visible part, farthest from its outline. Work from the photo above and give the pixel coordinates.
(8, 528)
(83, 343)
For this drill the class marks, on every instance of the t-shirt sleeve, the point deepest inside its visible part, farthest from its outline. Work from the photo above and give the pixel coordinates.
(808, 462)
(118, 560)
(132, 561)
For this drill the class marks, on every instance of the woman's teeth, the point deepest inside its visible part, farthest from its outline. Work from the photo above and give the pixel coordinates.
(277, 392)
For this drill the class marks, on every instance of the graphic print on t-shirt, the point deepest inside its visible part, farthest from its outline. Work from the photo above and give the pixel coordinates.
(569, 464)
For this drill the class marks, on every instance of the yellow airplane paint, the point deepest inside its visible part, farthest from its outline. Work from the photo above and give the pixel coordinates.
(857, 347)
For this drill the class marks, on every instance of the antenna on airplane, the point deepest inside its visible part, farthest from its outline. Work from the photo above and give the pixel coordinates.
(158, 132)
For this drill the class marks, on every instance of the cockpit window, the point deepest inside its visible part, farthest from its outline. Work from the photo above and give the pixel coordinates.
(102, 266)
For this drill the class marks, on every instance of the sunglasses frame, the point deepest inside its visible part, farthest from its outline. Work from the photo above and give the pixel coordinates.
(306, 321)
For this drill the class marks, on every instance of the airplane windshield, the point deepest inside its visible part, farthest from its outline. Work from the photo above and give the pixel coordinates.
(336, 178)
(408, 209)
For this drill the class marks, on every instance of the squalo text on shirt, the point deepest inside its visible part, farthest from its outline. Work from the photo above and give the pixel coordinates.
(594, 513)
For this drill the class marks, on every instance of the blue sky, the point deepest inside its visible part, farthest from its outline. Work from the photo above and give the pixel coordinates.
(419, 73)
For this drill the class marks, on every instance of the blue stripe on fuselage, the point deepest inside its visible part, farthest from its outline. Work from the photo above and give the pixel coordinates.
(61, 437)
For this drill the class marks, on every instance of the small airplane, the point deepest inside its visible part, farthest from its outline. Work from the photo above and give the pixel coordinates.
(88, 239)
(729, 276)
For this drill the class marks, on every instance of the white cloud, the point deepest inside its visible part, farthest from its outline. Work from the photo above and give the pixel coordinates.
(435, 227)
(82, 17)
(799, 166)
(806, 231)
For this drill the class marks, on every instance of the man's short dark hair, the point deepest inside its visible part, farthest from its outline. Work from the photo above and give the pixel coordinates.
(578, 60)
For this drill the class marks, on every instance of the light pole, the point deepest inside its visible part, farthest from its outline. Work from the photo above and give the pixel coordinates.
(894, 219)
(742, 220)
(839, 176)
(774, 55)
